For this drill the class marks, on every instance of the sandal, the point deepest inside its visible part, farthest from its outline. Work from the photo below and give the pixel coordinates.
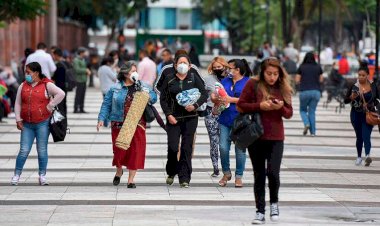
(238, 183)
(225, 178)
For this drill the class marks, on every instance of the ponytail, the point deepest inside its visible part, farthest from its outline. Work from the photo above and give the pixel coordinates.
(243, 66)
(248, 71)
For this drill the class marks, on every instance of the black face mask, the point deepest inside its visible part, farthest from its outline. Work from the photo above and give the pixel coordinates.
(219, 73)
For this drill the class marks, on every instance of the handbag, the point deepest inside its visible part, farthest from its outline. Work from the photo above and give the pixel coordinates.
(371, 117)
(57, 123)
(58, 126)
(246, 129)
(149, 115)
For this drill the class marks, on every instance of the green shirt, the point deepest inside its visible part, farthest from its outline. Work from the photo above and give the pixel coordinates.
(80, 69)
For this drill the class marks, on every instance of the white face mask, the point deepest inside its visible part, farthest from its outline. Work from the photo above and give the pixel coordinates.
(182, 68)
(134, 76)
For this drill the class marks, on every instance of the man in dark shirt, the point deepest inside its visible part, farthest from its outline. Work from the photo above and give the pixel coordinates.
(59, 77)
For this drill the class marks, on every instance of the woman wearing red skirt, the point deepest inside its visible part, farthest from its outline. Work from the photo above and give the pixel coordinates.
(115, 107)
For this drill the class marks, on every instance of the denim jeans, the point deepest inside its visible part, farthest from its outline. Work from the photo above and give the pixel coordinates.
(224, 148)
(362, 130)
(41, 132)
(308, 104)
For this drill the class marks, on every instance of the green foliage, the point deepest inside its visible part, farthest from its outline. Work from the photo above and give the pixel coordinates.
(111, 11)
(236, 16)
(11, 10)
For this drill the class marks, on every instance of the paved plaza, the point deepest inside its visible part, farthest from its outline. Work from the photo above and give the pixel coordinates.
(320, 183)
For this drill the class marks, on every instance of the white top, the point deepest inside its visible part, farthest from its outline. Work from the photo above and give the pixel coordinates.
(292, 53)
(107, 78)
(210, 81)
(45, 60)
(55, 92)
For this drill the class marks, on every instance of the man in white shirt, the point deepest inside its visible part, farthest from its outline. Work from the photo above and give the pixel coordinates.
(291, 52)
(329, 55)
(44, 59)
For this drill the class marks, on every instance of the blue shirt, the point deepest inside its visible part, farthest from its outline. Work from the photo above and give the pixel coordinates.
(228, 116)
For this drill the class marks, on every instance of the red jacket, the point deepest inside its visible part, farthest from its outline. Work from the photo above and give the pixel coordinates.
(34, 102)
(271, 120)
(344, 67)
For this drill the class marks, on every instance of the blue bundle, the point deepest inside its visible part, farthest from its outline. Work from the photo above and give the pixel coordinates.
(188, 97)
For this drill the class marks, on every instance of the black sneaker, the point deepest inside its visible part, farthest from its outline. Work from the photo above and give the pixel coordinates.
(184, 185)
(169, 180)
(215, 173)
(116, 179)
(259, 219)
(131, 185)
(368, 160)
(305, 130)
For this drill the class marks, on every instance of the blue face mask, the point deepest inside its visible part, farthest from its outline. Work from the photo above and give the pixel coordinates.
(28, 78)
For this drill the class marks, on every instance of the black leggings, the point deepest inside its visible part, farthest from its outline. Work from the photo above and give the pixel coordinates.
(270, 152)
(186, 129)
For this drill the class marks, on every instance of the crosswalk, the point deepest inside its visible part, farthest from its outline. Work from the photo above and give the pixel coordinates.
(319, 182)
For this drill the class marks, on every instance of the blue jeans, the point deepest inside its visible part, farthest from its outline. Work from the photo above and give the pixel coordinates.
(40, 132)
(363, 132)
(224, 148)
(308, 104)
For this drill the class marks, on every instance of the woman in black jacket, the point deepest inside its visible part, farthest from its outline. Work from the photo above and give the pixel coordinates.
(362, 95)
(181, 121)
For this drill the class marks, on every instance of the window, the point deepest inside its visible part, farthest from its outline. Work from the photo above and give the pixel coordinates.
(196, 19)
(162, 18)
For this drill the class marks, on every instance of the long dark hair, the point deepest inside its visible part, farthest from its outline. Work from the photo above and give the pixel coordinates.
(243, 66)
(309, 58)
(36, 67)
(364, 67)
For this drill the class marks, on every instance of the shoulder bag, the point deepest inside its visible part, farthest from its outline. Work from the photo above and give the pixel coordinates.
(57, 123)
(247, 128)
(371, 118)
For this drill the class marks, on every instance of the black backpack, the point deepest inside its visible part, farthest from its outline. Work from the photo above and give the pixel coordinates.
(71, 82)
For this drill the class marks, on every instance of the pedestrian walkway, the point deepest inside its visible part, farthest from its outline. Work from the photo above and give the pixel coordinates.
(320, 183)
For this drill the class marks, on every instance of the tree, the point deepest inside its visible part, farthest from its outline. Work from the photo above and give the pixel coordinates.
(110, 11)
(10, 10)
(232, 14)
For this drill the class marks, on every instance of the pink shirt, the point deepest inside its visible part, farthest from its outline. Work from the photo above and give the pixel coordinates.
(147, 71)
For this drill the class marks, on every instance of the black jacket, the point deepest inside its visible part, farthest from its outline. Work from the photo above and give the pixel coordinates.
(172, 85)
(357, 104)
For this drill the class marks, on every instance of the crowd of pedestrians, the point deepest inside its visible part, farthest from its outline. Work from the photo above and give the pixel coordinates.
(185, 95)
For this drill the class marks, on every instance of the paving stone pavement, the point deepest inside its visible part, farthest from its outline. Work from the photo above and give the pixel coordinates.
(320, 184)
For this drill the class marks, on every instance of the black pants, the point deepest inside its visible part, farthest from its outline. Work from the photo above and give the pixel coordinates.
(186, 129)
(79, 96)
(2, 110)
(270, 152)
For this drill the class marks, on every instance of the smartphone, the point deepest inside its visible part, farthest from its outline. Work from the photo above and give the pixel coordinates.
(275, 101)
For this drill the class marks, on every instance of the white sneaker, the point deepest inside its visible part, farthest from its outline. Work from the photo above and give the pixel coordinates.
(15, 180)
(274, 212)
(368, 160)
(43, 180)
(259, 219)
(358, 161)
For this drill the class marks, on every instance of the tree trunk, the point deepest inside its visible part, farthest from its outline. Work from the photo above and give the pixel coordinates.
(110, 39)
(284, 16)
